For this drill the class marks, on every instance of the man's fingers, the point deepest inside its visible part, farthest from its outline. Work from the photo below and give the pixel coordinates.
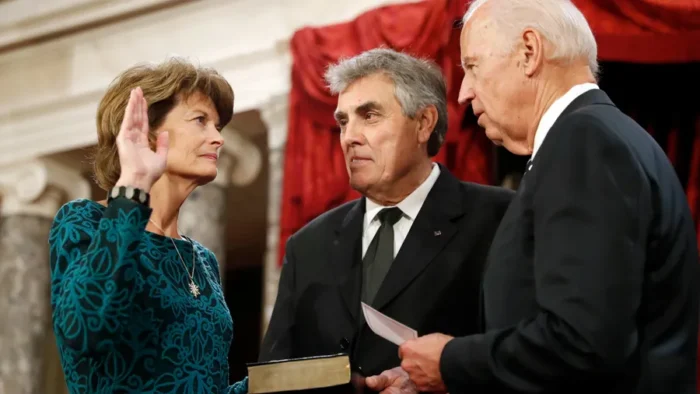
(378, 382)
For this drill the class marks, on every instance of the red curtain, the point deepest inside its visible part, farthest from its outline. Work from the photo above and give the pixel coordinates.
(645, 31)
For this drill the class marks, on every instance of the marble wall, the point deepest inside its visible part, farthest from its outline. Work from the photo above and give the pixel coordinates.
(32, 192)
(24, 302)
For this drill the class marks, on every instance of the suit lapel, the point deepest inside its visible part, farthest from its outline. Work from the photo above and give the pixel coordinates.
(431, 231)
(346, 259)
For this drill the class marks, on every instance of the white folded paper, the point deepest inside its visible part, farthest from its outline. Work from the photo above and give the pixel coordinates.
(386, 327)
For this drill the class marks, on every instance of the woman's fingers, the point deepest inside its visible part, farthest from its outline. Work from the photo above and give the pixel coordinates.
(128, 121)
(137, 109)
(144, 117)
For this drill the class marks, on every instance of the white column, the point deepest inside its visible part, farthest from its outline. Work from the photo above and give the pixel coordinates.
(203, 216)
(32, 192)
(275, 116)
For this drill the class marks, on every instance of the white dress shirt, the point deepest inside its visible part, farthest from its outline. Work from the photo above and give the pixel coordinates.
(410, 206)
(555, 110)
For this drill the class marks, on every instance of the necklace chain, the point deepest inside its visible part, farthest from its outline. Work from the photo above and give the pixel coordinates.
(194, 289)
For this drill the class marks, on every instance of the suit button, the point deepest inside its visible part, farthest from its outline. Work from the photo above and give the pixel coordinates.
(344, 344)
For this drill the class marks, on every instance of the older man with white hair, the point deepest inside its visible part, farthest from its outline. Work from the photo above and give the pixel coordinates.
(591, 285)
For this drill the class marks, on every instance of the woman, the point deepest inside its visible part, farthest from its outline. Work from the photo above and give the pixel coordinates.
(138, 307)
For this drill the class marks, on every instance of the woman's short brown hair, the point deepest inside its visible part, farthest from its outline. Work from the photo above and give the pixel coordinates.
(164, 85)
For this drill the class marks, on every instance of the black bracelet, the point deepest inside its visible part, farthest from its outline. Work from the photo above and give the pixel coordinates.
(131, 193)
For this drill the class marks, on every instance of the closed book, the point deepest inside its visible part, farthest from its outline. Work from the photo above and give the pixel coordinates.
(320, 374)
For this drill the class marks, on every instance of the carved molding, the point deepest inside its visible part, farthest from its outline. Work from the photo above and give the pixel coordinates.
(39, 187)
(246, 157)
(56, 85)
(24, 20)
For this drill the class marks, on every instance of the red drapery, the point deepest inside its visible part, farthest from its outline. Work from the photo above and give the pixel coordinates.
(645, 31)
(315, 179)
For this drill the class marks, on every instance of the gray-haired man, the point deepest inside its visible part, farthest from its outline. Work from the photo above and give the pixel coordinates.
(413, 247)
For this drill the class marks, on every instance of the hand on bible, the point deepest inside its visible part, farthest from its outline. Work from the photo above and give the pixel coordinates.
(393, 381)
(420, 358)
(140, 165)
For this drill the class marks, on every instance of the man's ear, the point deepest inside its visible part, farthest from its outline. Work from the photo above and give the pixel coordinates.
(427, 119)
(531, 50)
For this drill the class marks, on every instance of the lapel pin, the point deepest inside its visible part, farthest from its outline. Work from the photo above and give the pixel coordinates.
(437, 233)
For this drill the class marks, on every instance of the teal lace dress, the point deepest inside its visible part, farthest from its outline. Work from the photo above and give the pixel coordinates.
(124, 318)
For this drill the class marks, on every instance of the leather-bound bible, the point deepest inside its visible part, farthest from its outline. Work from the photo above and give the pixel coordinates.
(321, 374)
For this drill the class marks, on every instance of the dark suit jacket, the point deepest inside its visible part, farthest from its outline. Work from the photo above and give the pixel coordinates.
(433, 284)
(591, 285)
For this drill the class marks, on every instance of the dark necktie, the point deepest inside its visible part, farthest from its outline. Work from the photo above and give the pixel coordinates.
(380, 254)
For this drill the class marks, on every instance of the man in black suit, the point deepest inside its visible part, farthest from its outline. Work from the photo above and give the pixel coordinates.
(413, 247)
(591, 285)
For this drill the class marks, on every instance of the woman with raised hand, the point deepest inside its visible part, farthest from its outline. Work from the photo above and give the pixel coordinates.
(138, 306)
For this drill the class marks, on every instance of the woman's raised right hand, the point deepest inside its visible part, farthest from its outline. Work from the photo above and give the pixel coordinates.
(140, 165)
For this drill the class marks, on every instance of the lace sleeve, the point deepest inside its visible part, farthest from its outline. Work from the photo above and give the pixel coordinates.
(239, 387)
(94, 255)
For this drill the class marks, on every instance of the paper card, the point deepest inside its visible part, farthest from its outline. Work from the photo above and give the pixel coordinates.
(386, 327)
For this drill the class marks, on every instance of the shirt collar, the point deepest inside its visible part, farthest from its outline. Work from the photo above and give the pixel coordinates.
(411, 205)
(555, 110)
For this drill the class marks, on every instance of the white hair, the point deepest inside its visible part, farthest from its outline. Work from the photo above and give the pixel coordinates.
(559, 21)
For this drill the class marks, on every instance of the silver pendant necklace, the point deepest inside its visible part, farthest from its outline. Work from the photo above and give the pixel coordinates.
(194, 289)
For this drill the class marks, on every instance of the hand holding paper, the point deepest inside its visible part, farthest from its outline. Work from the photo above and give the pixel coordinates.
(420, 358)
(386, 327)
